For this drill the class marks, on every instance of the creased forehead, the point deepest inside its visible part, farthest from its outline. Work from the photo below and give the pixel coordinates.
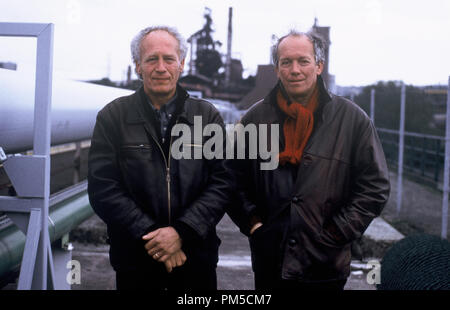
(299, 44)
(159, 39)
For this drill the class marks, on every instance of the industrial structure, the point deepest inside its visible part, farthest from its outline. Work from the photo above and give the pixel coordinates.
(210, 72)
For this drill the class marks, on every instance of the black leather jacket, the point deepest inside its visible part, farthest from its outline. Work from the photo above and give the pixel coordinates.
(135, 187)
(312, 212)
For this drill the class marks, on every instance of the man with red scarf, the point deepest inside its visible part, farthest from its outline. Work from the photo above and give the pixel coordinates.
(331, 181)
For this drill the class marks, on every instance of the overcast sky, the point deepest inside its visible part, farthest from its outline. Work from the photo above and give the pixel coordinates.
(371, 40)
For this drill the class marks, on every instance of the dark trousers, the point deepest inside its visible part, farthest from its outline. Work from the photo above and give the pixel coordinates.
(186, 277)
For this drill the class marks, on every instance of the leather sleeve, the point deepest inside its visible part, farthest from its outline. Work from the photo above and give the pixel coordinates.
(369, 189)
(107, 194)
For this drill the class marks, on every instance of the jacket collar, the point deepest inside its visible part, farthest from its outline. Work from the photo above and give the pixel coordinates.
(182, 111)
(136, 114)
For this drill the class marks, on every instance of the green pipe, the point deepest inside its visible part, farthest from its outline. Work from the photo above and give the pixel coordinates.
(63, 217)
(68, 214)
(12, 243)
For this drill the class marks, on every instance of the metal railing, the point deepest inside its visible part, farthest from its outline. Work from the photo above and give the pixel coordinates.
(423, 154)
(430, 162)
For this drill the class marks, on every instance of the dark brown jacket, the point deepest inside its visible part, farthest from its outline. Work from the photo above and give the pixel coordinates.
(312, 212)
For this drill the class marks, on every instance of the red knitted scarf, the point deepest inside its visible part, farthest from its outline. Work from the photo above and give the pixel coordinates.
(297, 127)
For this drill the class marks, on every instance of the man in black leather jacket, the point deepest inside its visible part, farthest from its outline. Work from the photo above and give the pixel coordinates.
(331, 180)
(160, 212)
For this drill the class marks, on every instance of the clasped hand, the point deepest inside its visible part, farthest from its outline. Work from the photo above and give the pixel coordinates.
(164, 245)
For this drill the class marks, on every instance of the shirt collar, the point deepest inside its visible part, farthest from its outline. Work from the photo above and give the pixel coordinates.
(168, 108)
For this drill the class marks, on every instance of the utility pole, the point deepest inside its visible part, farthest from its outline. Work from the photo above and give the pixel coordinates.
(401, 143)
(446, 168)
(228, 60)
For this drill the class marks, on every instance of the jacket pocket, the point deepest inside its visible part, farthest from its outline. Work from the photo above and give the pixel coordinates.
(138, 151)
(266, 244)
(140, 171)
(263, 253)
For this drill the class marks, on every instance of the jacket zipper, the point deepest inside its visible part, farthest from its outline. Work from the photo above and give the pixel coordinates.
(167, 163)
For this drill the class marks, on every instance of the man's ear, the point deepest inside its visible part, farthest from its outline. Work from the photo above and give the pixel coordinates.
(137, 69)
(182, 65)
(320, 69)
(275, 69)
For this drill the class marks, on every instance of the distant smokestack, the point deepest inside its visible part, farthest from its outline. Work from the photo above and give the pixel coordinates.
(129, 74)
(228, 60)
(108, 66)
(191, 56)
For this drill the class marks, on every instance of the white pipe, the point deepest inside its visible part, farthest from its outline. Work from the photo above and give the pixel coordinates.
(74, 109)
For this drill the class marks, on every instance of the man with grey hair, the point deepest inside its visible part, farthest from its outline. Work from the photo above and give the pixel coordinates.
(161, 212)
(332, 178)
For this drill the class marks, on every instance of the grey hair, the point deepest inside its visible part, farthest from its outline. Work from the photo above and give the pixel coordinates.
(137, 40)
(317, 41)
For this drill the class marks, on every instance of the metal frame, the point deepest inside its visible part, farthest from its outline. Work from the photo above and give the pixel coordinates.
(30, 175)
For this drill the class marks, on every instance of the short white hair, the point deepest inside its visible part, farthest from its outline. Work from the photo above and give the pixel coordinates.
(317, 41)
(137, 40)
